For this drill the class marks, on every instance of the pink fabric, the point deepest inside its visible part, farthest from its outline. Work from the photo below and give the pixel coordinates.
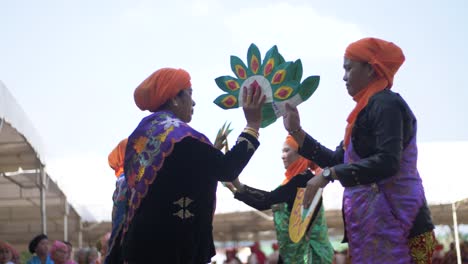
(58, 245)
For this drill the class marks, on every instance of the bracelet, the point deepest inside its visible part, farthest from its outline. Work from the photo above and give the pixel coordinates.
(292, 132)
(252, 132)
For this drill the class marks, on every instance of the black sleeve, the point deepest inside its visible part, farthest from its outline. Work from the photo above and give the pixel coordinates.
(385, 119)
(311, 149)
(263, 200)
(225, 167)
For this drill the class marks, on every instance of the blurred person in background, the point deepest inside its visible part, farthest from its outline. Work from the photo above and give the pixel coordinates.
(314, 246)
(70, 253)
(93, 256)
(120, 200)
(81, 256)
(6, 255)
(59, 252)
(273, 258)
(39, 246)
(231, 256)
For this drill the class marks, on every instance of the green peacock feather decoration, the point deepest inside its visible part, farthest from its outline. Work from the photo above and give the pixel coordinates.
(280, 81)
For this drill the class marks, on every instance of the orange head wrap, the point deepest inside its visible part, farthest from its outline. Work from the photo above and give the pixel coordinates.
(117, 157)
(159, 87)
(385, 58)
(292, 143)
(299, 165)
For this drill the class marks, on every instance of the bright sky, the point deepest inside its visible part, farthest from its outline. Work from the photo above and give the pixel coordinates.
(73, 66)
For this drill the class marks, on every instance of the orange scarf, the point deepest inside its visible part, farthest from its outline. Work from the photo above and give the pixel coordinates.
(297, 167)
(362, 98)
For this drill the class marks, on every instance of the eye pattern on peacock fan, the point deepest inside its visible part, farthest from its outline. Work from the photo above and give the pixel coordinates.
(280, 81)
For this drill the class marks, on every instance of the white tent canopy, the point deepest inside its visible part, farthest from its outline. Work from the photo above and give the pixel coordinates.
(20, 147)
(26, 191)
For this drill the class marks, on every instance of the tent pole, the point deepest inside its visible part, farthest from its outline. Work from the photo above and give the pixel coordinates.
(80, 233)
(43, 205)
(65, 221)
(455, 230)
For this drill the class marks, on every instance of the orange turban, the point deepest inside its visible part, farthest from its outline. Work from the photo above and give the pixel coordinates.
(292, 142)
(384, 57)
(117, 157)
(159, 87)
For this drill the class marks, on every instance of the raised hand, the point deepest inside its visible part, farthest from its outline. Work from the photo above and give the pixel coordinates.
(253, 99)
(234, 186)
(313, 185)
(292, 124)
(221, 138)
(291, 119)
(230, 186)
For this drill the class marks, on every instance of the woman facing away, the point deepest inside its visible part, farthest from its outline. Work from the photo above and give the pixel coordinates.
(314, 246)
(172, 172)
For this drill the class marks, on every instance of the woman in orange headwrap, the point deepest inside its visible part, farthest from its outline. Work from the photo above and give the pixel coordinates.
(120, 197)
(386, 216)
(314, 246)
(172, 172)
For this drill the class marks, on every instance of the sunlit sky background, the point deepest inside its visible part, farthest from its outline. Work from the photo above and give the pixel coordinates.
(73, 66)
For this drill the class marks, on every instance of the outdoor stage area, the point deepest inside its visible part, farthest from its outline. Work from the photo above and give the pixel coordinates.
(32, 203)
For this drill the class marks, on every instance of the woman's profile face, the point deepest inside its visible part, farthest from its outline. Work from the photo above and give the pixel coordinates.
(357, 75)
(289, 155)
(184, 105)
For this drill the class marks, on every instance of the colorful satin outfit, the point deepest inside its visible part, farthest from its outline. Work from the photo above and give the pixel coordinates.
(315, 246)
(384, 205)
(119, 210)
(172, 172)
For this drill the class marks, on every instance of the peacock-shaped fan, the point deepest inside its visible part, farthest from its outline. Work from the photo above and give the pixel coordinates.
(280, 81)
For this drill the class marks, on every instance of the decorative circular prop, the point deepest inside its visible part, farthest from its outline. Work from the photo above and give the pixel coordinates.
(280, 81)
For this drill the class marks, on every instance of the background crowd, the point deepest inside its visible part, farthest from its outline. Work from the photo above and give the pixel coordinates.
(54, 251)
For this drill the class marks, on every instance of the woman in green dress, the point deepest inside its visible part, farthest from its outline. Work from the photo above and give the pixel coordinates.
(314, 246)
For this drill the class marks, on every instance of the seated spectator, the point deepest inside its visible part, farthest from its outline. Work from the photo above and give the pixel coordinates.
(59, 252)
(438, 255)
(81, 256)
(93, 256)
(70, 251)
(231, 257)
(39, 246)
(273, 258)
(257, 256)
(6, 255)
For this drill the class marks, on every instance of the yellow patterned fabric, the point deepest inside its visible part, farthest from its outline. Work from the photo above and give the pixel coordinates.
(422, 247)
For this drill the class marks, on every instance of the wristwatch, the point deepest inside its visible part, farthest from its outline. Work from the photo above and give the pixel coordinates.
(327, 174)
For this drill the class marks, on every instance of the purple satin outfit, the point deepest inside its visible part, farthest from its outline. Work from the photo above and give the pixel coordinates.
(379, 216)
